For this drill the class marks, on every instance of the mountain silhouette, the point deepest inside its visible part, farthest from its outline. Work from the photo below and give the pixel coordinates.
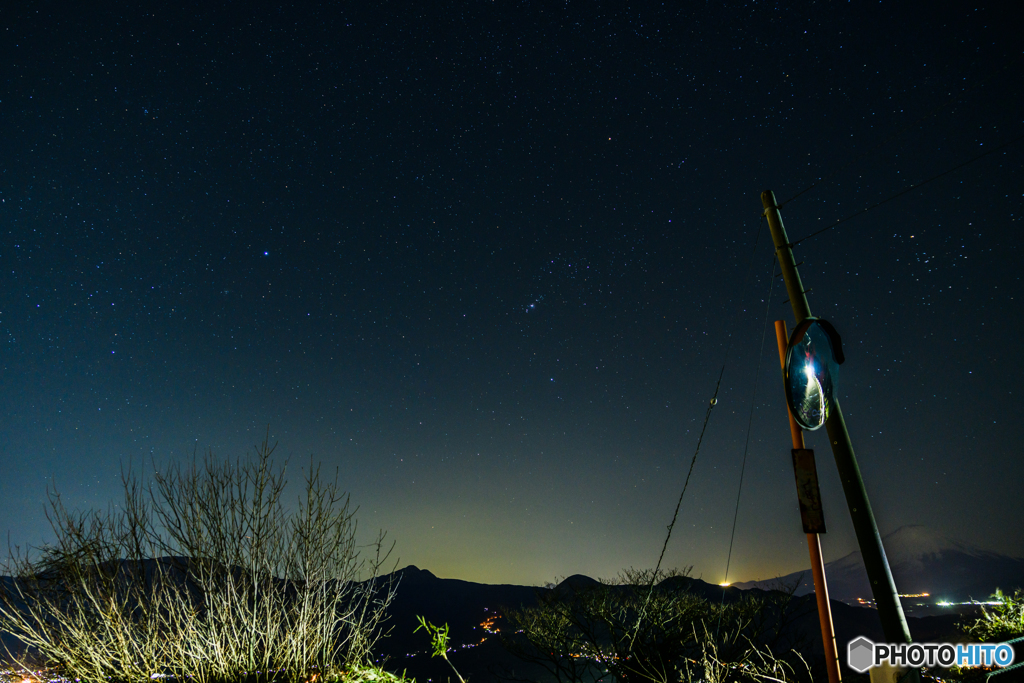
(463, 605)
(473, 612)
(921, 561)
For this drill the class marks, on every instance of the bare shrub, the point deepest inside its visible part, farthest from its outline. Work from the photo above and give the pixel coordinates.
(203, 573)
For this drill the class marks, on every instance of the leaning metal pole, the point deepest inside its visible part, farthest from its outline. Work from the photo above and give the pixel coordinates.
(890, 611)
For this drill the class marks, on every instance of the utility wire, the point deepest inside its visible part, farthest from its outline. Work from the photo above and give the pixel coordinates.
(746, 444)
(909, 188)
(959, 96)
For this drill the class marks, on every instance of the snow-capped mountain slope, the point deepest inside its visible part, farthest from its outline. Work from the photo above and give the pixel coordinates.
(922, 561)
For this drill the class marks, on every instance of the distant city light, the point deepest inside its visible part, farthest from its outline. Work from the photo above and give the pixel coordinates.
(946, 603)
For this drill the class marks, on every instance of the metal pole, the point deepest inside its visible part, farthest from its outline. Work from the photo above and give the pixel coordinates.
(828, 633)
(890, 611)
(883, 588)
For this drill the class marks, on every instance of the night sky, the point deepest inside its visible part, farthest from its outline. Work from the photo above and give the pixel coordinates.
(487, 259)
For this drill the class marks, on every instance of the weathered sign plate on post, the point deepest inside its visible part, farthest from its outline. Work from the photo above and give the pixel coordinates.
(807, 491)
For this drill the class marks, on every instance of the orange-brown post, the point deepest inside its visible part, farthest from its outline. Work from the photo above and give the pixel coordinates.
(828, 634)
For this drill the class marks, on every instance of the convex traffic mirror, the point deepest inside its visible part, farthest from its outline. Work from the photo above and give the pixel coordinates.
(812, 371)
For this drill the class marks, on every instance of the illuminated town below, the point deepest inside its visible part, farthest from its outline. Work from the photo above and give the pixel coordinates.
(870, 602)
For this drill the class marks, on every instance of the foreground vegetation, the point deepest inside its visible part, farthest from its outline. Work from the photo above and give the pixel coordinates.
(204, 573)
(1003, 622)
(201, 573)
(647, 627)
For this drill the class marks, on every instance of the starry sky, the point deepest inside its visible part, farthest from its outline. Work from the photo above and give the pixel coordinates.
(488, 259)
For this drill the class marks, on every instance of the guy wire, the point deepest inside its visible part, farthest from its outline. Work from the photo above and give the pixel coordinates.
(746, 444)
(707, 417)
